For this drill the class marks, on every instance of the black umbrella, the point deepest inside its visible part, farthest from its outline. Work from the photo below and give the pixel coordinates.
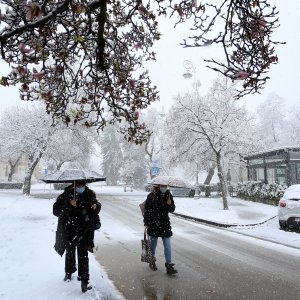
(72, 175)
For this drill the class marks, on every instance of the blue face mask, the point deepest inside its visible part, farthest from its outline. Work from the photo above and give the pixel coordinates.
(163, 190)
(80, 190)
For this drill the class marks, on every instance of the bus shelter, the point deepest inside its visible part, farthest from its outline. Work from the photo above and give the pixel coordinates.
(281, 166)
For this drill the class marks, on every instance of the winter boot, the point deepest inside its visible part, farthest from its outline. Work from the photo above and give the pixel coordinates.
(68, 277)
(153, 266)
(170, 269)
(84, 286)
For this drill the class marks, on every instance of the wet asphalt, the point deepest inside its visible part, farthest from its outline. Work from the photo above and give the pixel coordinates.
(212, 262)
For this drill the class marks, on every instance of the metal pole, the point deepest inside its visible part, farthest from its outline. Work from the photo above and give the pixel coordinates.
(197, 166)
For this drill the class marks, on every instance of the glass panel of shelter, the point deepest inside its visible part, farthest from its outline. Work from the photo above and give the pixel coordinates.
(274, 174)
(280, 175)
(295, 155)
(297, 173)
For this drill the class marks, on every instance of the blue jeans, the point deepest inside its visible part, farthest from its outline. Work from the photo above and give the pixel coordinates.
(167, 247)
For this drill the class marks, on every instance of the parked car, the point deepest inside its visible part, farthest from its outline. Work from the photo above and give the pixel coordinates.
(182, 192)
(289, 208)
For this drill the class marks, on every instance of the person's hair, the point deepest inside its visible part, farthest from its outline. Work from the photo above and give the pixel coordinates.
(155, 188)
(80, 182)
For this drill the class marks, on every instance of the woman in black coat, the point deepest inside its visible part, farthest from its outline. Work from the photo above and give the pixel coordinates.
(77, 219)
(157, 222)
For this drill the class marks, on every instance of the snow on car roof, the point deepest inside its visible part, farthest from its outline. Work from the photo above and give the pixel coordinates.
(292, 192)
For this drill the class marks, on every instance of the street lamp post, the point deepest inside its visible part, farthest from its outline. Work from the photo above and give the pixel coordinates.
(197, 194)
(190, 71)
(156, 166)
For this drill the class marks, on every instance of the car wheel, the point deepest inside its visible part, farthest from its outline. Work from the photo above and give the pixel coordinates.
(282, 226)
(191, 193)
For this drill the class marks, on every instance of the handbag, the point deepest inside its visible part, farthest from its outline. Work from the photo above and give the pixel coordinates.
(60, 242)
(146, 256)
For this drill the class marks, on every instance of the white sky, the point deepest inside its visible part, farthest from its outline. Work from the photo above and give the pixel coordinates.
(31, 269)
(167, 72)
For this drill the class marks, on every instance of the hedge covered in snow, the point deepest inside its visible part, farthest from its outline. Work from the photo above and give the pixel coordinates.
(60, 186)
(11, 185)
(260, 192)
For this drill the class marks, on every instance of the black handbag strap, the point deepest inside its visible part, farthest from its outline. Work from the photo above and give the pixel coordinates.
(145, 234)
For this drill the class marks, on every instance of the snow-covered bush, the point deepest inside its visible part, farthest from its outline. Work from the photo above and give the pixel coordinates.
(11, 185)
(260, 192)
(60, 186)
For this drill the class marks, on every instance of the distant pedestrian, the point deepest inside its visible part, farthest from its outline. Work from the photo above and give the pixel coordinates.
(77, 211)
(157, 222)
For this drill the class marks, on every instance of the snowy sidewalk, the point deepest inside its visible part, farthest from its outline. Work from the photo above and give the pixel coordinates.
(240, 212)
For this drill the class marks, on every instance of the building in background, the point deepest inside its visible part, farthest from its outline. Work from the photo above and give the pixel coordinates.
(20, 171)
(281, 166)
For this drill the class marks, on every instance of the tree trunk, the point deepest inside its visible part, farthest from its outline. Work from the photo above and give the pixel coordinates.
(11, 171)
(59, 165)
(32, 162)
(211, 172)
(12, 166)
(150, 155)
(223, 184)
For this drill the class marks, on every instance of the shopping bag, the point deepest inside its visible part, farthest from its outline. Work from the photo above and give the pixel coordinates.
(146, 256)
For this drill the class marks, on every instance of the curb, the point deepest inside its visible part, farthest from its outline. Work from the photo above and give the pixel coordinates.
(218, 224)
(197, 220)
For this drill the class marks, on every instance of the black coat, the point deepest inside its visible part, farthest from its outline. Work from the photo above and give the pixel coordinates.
(156, 215)
(75, 223)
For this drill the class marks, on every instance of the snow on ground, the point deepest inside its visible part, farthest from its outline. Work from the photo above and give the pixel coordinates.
(240, 212)
(250, 218)
(30, 268)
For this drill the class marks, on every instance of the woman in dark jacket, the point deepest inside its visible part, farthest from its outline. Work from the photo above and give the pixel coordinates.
(77, 219)
(157, 222)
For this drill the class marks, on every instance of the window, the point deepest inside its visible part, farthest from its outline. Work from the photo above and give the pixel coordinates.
(271, 175)
(295, 155)
(298, 172)
(274, 159)
(256, 161)
(260, 174)
(252, 174)
(280, 174)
